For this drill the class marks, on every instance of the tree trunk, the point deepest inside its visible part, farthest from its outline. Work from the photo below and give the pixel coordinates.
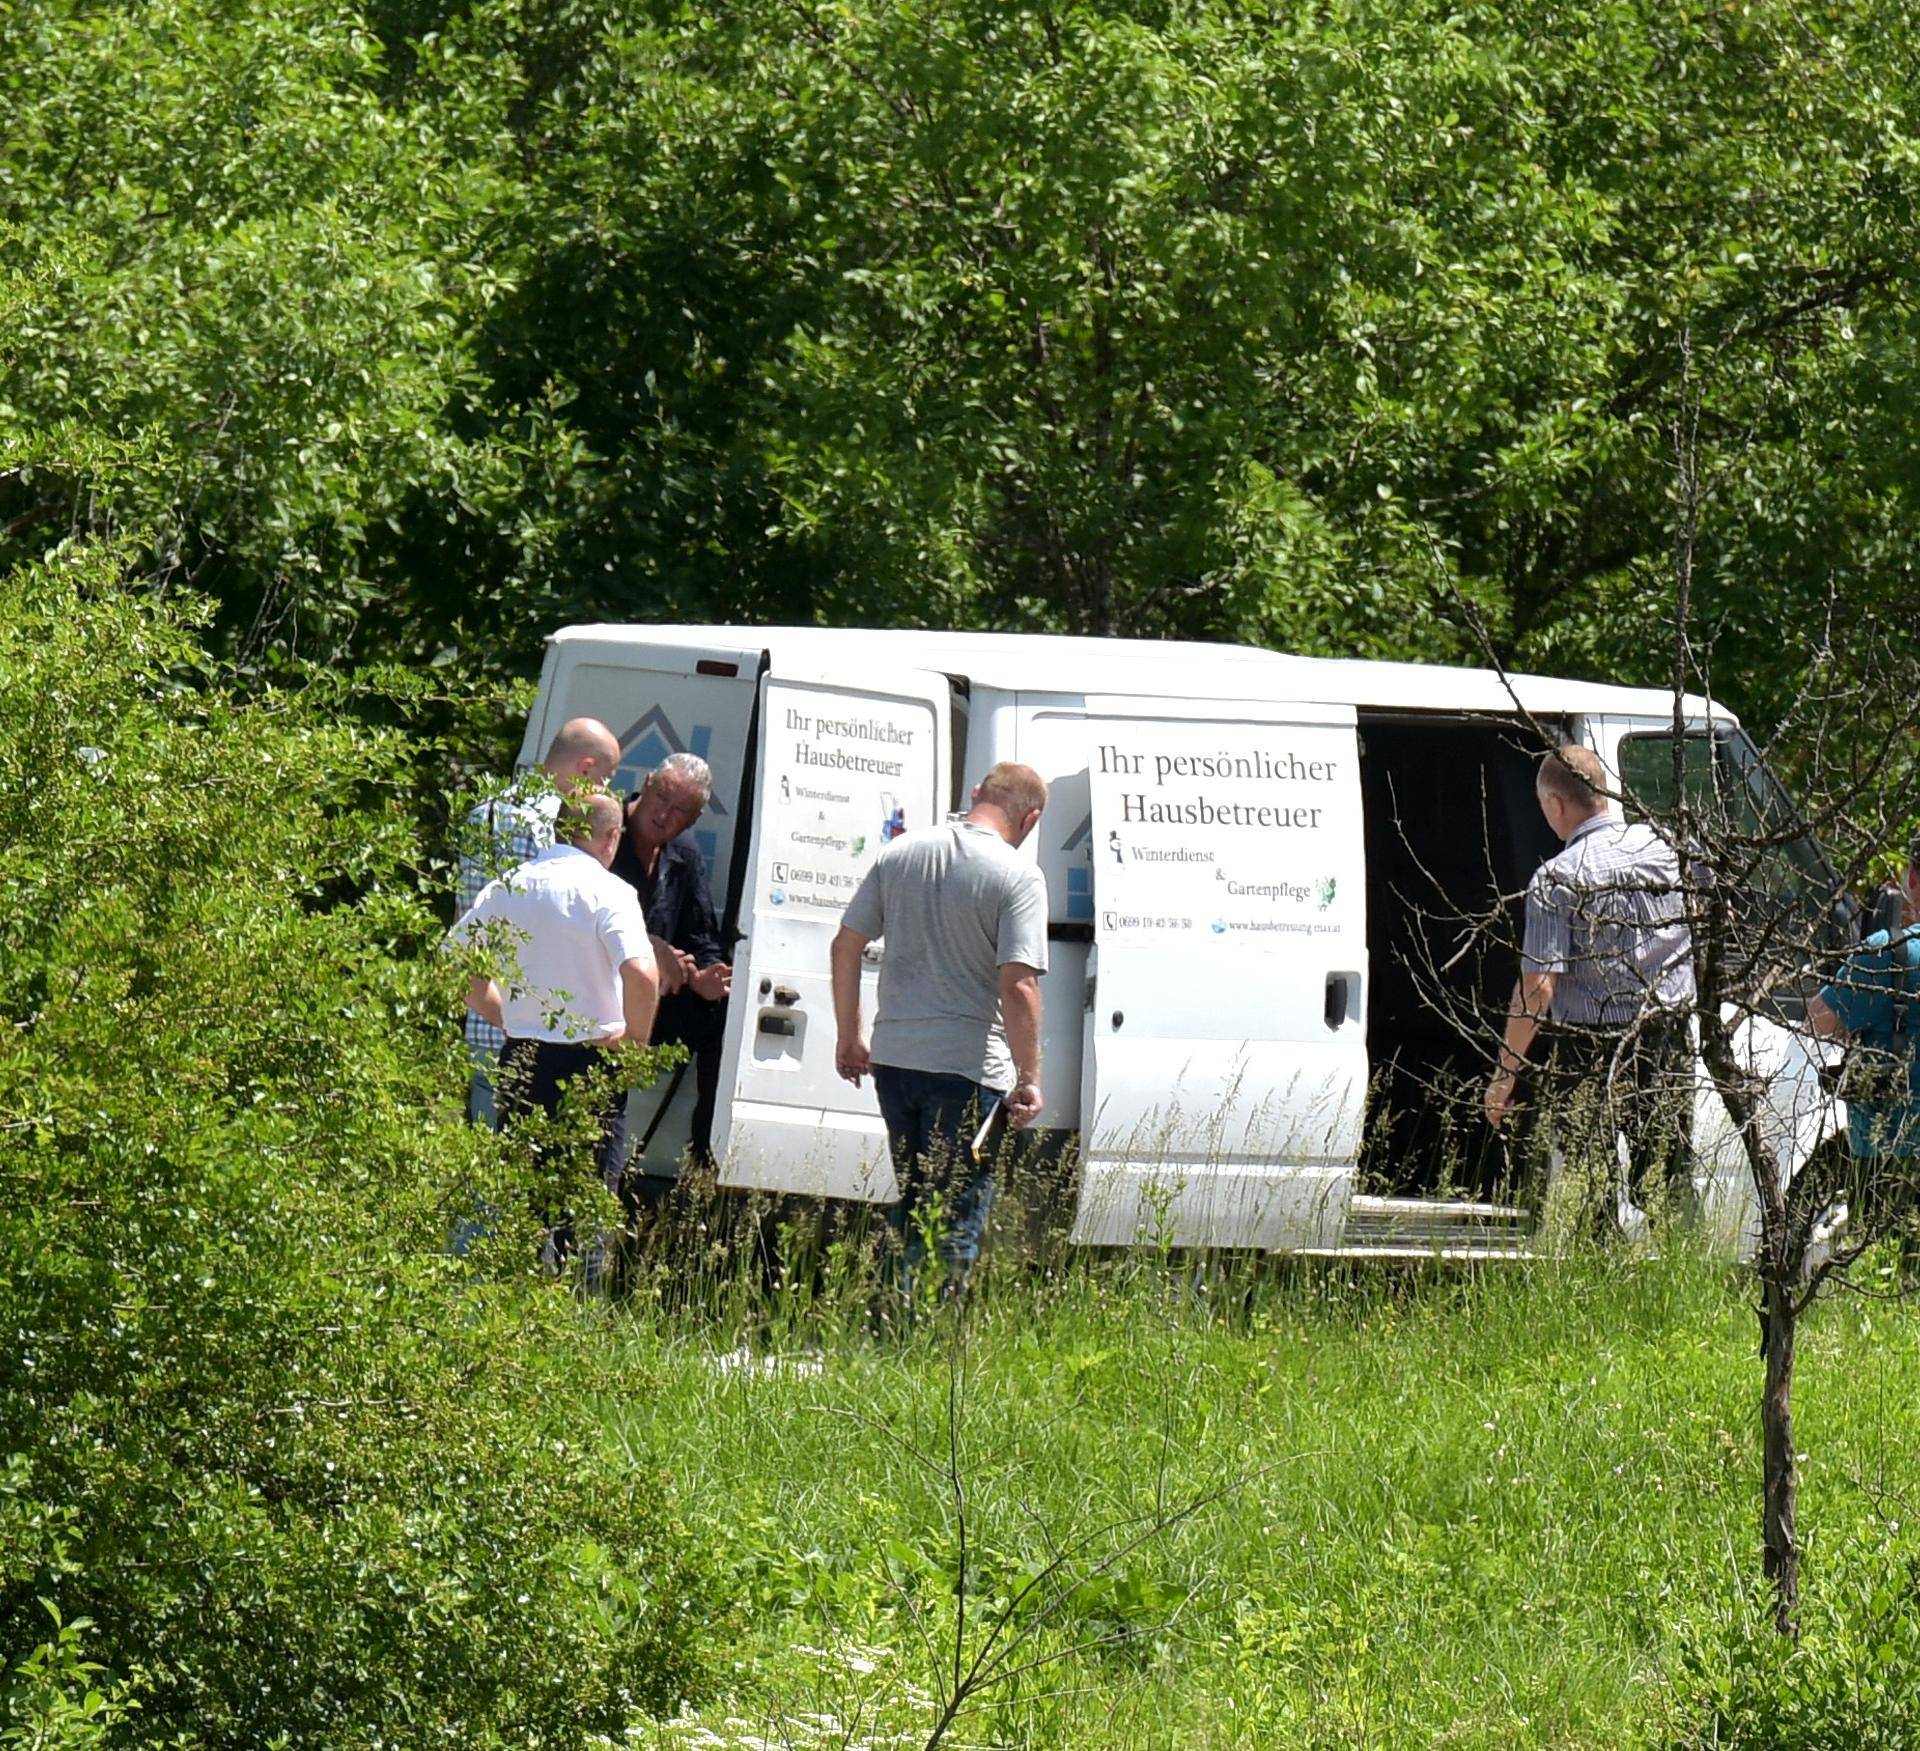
(1781, 1478)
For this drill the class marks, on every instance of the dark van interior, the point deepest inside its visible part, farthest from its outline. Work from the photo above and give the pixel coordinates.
(1453, 833)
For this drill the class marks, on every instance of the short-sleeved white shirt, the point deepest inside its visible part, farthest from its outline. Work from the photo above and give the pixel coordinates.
(561, 924)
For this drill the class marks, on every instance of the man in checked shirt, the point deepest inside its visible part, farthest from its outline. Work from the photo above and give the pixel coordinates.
(1598, 1020)
(512, 829)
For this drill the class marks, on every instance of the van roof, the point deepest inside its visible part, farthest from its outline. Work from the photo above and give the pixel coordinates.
(1046, 663)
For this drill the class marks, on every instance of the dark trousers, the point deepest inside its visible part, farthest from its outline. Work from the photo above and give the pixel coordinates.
(931, 1122)
(534, 1076)
(1584, 1088)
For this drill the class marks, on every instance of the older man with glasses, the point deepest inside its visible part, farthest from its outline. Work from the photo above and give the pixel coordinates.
(659, 859)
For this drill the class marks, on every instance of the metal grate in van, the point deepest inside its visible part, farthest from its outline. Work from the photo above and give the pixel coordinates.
(1429, 1227)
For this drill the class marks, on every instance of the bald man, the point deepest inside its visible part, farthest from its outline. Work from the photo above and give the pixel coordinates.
(512, 829)
(958, 1028)
(1597, 1025)
(577, 975)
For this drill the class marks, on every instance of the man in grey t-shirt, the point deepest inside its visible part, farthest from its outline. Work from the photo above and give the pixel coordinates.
(958, 1031)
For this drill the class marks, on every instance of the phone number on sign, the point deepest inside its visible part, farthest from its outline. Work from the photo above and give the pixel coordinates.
(793, 876)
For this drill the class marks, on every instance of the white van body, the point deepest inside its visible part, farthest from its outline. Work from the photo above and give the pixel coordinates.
(1254, 863)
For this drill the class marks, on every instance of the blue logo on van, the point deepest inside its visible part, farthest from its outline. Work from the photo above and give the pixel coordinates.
(649, 740)
(1080, 893)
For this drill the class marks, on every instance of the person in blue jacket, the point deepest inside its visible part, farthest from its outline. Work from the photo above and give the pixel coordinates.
(1870, 1004)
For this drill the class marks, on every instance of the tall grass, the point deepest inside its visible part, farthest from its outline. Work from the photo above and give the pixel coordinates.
(1281, 1505)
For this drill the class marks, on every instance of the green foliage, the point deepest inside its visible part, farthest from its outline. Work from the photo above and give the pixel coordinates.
(416, 328)
(53, 1700)
(1844, 1684)
(1495, 1508)
(280, 1470)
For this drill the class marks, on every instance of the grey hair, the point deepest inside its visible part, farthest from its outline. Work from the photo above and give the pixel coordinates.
(689, 767)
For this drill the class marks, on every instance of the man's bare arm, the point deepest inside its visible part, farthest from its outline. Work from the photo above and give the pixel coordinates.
(850, 1055)
(1822, 1020)
(1020, 1013)
(483, 998)
(1532, 1000)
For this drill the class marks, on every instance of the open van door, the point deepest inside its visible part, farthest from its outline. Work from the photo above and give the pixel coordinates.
(1225, 1069)
(842, 765)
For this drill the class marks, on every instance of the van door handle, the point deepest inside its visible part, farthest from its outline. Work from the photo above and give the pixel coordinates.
(1336, 1001)
(1343, 1000)
(785, 994)
(777, 1024)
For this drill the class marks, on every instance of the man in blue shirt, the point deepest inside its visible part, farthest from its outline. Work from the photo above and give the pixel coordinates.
(660, 861)
(1869, 1004)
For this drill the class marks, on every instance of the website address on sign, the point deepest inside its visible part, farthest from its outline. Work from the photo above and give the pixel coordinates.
(1287, 926)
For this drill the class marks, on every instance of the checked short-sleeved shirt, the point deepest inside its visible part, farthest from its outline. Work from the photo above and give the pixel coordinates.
(1607, 916)
(512, 829)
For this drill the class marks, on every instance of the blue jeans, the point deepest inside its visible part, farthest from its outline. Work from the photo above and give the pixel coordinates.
(931, 1122)
(482, 1108)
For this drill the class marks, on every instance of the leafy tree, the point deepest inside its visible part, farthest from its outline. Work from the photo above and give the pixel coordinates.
(284, 1470)
(462, 320)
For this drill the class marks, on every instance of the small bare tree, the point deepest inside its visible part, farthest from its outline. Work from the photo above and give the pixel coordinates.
(1767, 884)
(1767, 925)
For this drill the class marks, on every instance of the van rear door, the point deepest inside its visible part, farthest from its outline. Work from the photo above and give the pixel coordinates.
(1225, 1070)
(842, 765)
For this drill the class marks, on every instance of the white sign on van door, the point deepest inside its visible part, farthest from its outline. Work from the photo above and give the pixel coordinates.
(843, 778)
(1237, 838)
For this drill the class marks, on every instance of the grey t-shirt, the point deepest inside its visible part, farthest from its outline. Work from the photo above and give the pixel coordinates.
(956, 903)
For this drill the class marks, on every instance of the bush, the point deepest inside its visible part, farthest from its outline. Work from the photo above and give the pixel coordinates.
(1846, 1685)
(276, 1470)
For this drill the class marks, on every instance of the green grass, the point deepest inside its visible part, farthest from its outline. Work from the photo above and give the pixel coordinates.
(1418, 1510)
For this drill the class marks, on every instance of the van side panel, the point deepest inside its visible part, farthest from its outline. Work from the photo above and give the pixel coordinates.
(845, 763)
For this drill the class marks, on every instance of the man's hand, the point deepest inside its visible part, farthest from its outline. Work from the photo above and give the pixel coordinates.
(674, 965)
(1020, 1010)
(712, 983)
(1499, 1102)
(850, 1055)
(1024, 1104)
(851, 1058)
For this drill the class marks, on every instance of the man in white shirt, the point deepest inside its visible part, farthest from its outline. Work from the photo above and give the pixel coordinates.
(580, 974)
(509, 830)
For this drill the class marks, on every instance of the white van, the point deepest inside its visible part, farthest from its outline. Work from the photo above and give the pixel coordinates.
(1261, 870)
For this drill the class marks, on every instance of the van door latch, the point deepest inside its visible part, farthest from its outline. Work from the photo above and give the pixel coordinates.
(1337, 1004)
